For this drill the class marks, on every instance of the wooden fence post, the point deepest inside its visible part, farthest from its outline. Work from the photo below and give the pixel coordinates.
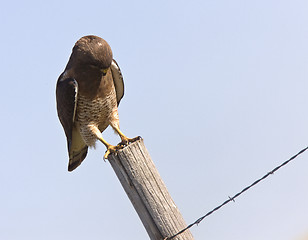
(147, 192)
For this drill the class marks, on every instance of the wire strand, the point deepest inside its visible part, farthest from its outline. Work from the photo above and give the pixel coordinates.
(238, 194)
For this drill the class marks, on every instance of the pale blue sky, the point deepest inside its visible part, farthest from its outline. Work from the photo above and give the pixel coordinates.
(217, 89)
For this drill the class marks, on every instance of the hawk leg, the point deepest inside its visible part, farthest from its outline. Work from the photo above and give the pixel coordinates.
(110, 148)
(125, 140)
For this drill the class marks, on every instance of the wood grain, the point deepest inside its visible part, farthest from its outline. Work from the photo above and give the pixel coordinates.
(147, 192)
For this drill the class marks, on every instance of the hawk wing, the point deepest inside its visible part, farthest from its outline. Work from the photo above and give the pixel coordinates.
(66, 94)
(117, 80)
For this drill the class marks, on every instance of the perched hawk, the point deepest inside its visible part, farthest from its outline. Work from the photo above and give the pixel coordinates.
(88, 94)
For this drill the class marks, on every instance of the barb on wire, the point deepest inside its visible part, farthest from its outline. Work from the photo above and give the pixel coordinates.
(237, 195)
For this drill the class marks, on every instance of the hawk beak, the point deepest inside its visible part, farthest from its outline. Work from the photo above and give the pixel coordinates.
(104, 71)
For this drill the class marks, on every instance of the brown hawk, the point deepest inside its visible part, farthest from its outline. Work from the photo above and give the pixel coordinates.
(88, 94)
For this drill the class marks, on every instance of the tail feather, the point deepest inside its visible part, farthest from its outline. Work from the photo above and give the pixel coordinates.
(76, 158)
(77, 150)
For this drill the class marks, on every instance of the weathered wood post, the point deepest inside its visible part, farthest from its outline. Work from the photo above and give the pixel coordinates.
(147, 192)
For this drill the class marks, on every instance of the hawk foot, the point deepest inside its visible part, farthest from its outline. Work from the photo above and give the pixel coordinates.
(125, 140)
(112, 149)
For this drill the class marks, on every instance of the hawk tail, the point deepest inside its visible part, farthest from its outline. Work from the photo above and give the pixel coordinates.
(76, 159)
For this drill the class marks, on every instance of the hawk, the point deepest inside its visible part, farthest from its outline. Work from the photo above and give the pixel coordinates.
(88, 94)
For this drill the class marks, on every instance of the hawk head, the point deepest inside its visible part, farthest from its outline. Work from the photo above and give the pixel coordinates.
(91, 51)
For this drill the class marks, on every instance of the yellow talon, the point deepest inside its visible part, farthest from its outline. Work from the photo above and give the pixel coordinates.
(125, 140)
(111, 149)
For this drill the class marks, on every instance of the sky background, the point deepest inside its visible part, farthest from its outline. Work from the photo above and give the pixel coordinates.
(217, 89)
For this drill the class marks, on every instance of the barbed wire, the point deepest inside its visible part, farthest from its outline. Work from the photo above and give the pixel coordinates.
(237, 195)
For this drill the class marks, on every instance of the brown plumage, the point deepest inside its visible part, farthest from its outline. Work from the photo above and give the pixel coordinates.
(88, 93)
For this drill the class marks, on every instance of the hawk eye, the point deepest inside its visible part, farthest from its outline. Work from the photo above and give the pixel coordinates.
(104, 71)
